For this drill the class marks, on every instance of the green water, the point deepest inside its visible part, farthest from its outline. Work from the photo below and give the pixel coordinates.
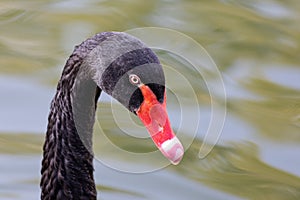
(256, 48)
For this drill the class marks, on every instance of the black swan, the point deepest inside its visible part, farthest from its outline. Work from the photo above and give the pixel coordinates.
(123, 67)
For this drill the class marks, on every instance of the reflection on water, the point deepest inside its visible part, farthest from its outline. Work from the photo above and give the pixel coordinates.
(254, 44)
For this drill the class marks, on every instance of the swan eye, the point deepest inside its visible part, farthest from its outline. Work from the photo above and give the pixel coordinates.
(134, 79)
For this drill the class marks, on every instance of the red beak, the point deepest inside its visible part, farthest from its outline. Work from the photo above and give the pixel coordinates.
(154, 116)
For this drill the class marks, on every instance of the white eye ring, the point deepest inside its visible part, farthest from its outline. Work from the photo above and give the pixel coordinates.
(134, 79)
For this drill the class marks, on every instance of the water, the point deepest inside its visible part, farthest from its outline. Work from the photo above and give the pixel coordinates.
(255, 45)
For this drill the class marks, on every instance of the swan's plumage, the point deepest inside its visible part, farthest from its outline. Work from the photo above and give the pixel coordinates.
(98, 64)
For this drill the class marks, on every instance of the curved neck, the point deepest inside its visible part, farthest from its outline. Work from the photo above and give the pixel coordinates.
(67, 171)
(102, 62)
(67, 165)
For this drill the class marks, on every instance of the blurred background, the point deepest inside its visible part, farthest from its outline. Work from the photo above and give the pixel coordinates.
(256, 47)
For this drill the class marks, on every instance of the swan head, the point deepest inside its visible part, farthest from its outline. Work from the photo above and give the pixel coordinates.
(131, 73)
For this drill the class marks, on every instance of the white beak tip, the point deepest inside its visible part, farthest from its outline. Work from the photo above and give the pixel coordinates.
(173, 150)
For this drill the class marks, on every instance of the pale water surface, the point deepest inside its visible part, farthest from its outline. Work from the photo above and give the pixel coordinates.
(256, 47)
